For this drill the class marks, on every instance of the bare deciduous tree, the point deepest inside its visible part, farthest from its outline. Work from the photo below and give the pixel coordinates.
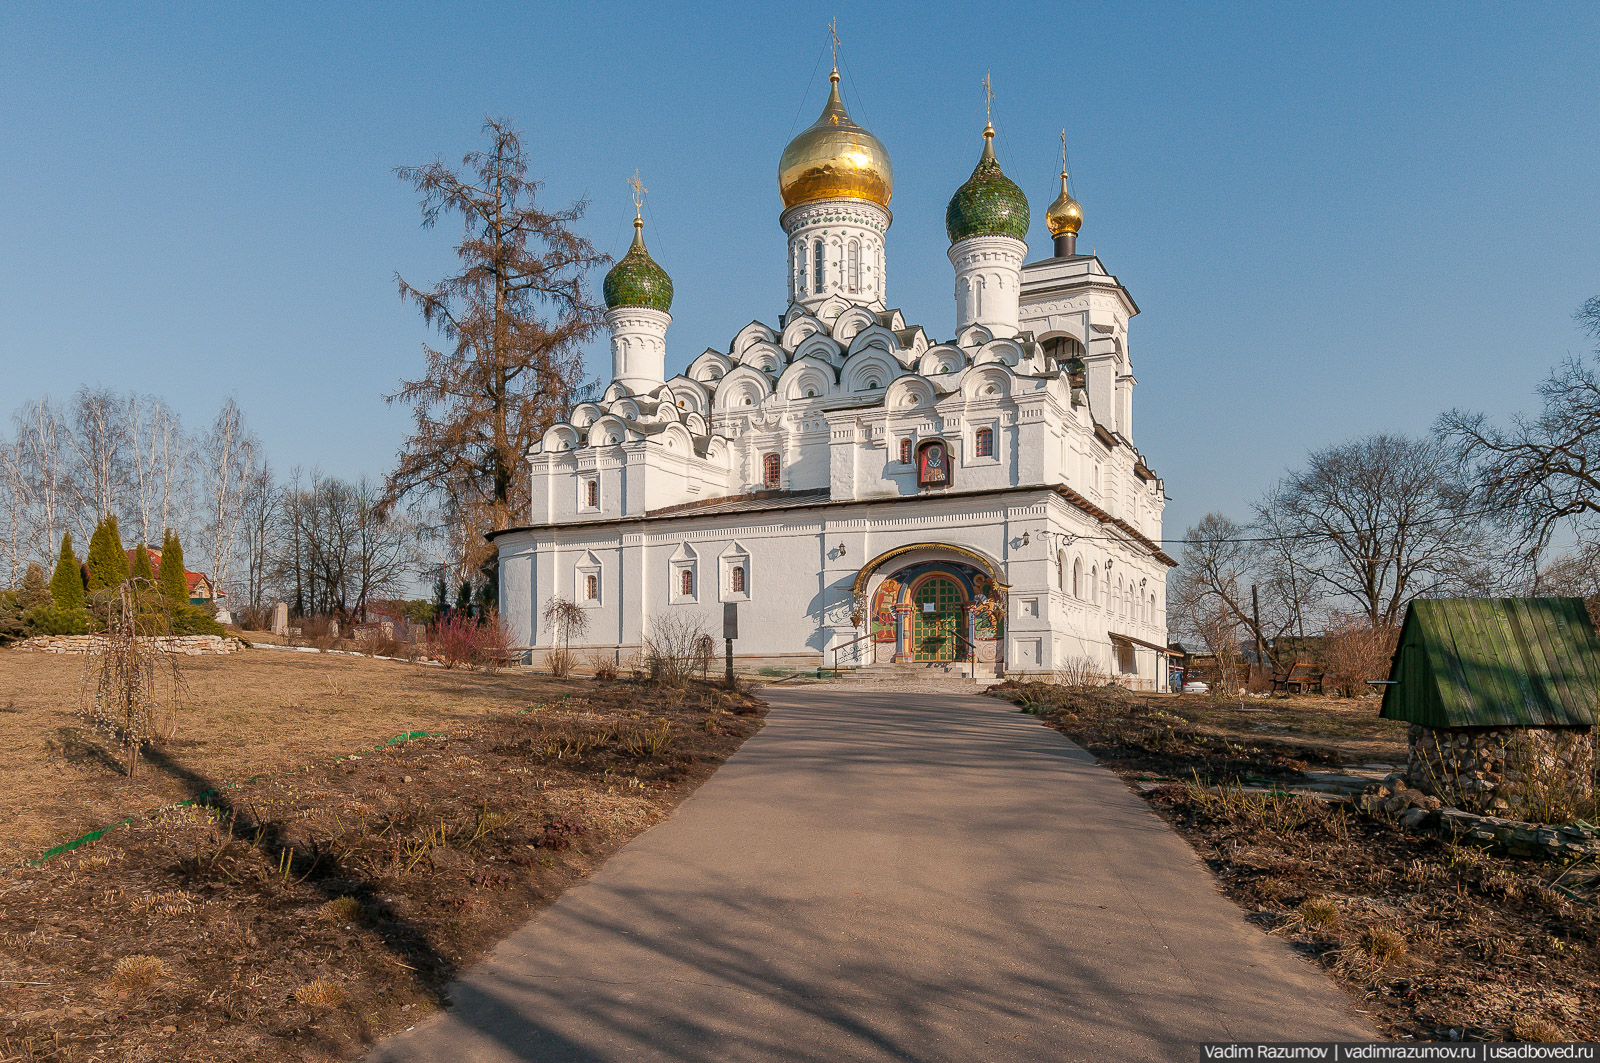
(515, 319)
(226, 455)
(1380, 521)
(1542, 473)
(161, 461)
(99, 443)
(40, 454)
(1222, 561)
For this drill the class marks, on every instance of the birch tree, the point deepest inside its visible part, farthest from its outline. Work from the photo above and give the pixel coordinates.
(40, 453)
(226, 456)
(99, 444)
(161, 460)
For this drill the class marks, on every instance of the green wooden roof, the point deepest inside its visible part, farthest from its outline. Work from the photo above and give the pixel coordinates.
(1495, 662)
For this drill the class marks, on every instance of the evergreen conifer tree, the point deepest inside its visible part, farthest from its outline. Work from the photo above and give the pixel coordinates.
(66, 585)
(108, 561)
(35, 588)
(170, 577)
(142, 569)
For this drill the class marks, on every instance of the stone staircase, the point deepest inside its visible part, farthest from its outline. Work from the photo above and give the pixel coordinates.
(920, 671)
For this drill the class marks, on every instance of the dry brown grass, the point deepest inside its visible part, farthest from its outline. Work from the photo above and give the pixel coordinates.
(341, 910)
(245, 714)
(138, 972)
(1382, 944)
(1319, 913)
(322, 993)
(1531, 1028)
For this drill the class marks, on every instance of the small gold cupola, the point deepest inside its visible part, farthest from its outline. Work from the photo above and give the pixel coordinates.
(1065, 216)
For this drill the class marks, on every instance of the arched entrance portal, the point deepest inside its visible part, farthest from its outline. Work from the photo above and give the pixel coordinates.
(937, 611)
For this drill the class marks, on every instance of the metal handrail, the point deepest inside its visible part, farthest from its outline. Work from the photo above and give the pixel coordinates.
(847, 645)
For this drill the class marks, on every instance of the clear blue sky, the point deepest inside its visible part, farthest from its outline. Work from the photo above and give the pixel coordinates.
(1336, 219)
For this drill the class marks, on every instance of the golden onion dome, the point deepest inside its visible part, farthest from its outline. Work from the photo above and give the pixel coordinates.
(1064, 215)
(834, 158)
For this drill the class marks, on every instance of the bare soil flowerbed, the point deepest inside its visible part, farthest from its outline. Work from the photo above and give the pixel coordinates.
(1438, 941)
(306, 915)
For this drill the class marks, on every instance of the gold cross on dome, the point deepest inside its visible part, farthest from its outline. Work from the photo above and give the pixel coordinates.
(1063, 153)
(988, 97)
(638, 193)
(833, 32)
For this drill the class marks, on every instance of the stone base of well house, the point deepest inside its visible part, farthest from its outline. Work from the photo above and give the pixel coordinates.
(1538, 773)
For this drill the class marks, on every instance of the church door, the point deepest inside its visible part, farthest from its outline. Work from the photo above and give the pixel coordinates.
(936, 620)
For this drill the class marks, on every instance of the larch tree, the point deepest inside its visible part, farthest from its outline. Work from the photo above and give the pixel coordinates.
(514, 320)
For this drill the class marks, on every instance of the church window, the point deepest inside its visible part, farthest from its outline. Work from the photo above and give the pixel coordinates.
(905, 451)
(686, 583)
(800, 254)
(1061, 572)
(984, 443)
(591, 494)
(1094, 584)
(855, 265)
(738, 579)
(770, 470)
(591, 587)
(1077, 577)
(819, 278)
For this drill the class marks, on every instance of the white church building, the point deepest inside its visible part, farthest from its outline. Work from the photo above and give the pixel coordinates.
(867, 493)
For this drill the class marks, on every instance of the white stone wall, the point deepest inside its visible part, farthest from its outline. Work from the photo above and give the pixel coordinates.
(801, 565)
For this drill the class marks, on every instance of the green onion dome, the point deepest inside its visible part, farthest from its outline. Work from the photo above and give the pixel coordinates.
(636, 280)
(989, 204)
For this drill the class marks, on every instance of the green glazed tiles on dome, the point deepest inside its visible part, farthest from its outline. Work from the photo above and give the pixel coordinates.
(636, 280)
(989, 204)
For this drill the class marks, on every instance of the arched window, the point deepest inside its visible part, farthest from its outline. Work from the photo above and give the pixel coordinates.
(686, 582)
(855, 265)
(820, 278)
(984, 442)
(905, 451)
(800, 255)
(770, 470)
(591, 493)
(1151, 619)
(1077, 577)
(1094, 584)
(1061, 572)
(738, 579)
(591, 587)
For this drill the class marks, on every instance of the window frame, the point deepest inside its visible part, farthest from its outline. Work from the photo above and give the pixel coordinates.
(771, 470)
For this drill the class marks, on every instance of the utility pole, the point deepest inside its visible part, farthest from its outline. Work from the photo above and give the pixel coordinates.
(1255, 613)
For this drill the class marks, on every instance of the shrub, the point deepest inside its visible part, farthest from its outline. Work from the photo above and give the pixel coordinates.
(459, 640)
(193, 620)
(676, 646)
(1079, 673)
(1356, 651)
(12, 625)
(559, 661)
(605, 667)
(57, 620)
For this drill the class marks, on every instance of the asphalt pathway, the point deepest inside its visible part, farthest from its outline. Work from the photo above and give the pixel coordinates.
(889, 876)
